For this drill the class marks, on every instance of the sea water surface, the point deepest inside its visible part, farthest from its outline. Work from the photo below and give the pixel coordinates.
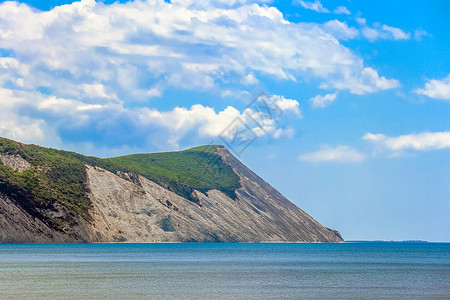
(374, 270)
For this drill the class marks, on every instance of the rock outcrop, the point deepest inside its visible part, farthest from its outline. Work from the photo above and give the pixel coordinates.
(15, 162)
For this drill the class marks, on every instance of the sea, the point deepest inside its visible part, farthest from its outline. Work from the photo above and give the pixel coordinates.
(351, 270)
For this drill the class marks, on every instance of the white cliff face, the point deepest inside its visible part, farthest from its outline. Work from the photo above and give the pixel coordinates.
(147, 212)
(143, 211)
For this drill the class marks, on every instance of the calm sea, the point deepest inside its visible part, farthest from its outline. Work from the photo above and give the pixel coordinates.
(226, 271)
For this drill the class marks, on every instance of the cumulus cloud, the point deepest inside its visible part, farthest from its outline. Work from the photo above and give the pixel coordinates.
(320, 101)
(286, 104)
(259, 119)
(340, 153)
(424, 141)
(437, 89)
(316, 6)
(206, 120)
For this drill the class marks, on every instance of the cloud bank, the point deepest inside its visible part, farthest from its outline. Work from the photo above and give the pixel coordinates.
(93, 64)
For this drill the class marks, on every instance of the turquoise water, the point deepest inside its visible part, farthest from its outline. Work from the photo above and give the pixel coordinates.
(225, 271)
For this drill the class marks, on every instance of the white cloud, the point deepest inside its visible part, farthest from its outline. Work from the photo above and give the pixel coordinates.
(17, 126)
(206, 4)
(424, 141)
(341, 30)
(250, 79)
(342, 10)
(361, 21)
(396, 33)
(8, 62)
(198, 117)
(370, 33)
(25, 130)
(206, 122)
(137, 49)
(340, 153)
(153, 92)
(437, 89)
(316, 6)
(64, 106)
(384, 32)
(368, 82)
(33, 117)
(287, 104)
(95, 90)
(82, 66)
(420, 33)
(281, 132)
(320, 101)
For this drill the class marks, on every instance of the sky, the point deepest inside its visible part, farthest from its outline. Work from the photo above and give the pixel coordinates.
(343, 106)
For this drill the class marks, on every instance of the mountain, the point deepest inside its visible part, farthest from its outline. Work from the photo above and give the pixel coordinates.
(203, 194)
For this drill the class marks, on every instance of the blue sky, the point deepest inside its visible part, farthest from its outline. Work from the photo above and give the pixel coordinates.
(358, 127)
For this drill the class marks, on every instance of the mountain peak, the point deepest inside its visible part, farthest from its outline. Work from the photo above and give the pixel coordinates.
(206, 148)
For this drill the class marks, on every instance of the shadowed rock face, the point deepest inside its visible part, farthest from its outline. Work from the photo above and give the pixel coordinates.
(140, 210)
(18, 226)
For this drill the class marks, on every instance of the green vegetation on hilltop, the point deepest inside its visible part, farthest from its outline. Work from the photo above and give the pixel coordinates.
(199, 168)
(60, 176)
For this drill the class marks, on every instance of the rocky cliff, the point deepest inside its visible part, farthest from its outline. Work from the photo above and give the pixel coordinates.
(202, 194)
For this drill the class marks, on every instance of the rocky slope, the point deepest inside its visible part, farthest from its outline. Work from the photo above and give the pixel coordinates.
(176, 203)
